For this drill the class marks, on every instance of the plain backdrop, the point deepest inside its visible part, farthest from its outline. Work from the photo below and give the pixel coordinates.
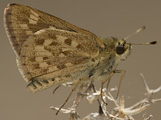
(105, 18)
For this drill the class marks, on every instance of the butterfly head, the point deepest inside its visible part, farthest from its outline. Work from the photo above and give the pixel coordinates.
(119, 48)
(122, 49)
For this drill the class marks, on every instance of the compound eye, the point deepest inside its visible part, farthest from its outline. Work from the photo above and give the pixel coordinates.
(120, 49)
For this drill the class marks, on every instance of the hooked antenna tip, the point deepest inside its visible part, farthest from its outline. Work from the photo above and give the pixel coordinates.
(141, 29)
(153, 42)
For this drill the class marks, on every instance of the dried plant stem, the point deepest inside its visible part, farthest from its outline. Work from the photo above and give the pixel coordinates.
(119, 112)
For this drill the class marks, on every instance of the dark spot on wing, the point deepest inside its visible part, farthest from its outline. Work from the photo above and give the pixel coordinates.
(61, 66)
(37, 82)
(48, 62)
(44, 70)
(32, 59)
(79, 46)
(45, 58)
(52, 79)
(36, 66)
(45, 81)
(52, 36)
(67, 75)
(39, 42)
(68, 42)
(54, 43)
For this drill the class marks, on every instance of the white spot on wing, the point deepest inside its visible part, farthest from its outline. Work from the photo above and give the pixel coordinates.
(40, 31)
(40, 51)
(68, 64)
(24, 26)
(39, 59)
(52, 28)
(74, 44)
(53, 68)
(29, 32)
(34, 13)
(61, 38)
(39, 48)
(61, 55)
(65, 49)
(57, 79)
(43, 53)
(47, 42)
(34, 17)
(43, 65)
(31, 21)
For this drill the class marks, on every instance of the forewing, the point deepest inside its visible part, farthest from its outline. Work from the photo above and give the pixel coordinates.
(22, 21)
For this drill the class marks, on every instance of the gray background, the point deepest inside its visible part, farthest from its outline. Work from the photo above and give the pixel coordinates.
(105, 18)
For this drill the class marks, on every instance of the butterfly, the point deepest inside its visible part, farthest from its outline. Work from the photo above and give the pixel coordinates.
(51, 51)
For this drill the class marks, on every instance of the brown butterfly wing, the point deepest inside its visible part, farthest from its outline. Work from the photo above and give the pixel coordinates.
(49, 50)
(22, 21)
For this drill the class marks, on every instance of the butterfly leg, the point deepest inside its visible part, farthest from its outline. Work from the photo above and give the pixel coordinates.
(80, 96)
(108, 82)
(108, 79)
(99, 103)
(121, 78)
(56, 88)
(75, 86)
(66, 84)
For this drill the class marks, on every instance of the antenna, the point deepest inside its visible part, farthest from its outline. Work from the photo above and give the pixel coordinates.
(148, 43)
(137, 31)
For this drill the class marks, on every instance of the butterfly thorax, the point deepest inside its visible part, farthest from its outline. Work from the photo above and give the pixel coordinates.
(115, 51)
